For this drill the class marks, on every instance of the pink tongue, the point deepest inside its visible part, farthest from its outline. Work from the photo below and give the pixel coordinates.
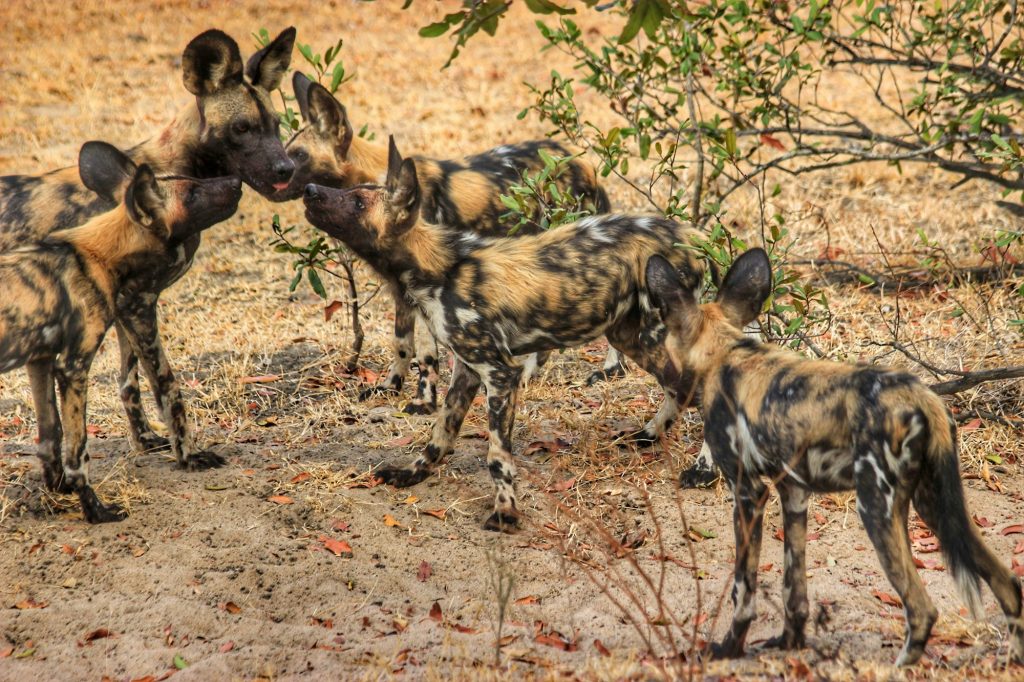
(280, 185)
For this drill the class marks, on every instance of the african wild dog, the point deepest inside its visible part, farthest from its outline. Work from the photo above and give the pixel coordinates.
(493, 300)
(818, 426)
(61, 297)
(230, 129)
(463, 194)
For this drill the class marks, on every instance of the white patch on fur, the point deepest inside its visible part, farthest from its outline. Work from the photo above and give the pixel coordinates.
(746, 607)
(51, 333)
(429, 303)
(645, 223)
(871, 459)
(503, 150)
(743, 445)
(530, 368)
(705, 462)
(827, 466)
(466, 315)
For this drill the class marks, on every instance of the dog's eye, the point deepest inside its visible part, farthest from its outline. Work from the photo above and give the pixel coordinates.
(359, 204)
(241, 128)
(193, 192)
(300, 155)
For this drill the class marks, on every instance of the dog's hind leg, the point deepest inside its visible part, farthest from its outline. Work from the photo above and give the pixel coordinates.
(425, 401)
(73, 385)
(883, 508)
(794, 586)
(614, 366)
(502, 386)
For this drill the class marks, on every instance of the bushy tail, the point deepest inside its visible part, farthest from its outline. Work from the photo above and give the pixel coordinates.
(602, 204)
(939, 499)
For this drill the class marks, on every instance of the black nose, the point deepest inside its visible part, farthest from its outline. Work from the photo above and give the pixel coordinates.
(311, 191)
(284, 168)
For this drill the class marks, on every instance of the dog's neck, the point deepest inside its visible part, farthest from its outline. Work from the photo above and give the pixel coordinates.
(370, 160)
(179, 148)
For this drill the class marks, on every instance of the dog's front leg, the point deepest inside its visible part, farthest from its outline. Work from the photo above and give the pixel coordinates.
(403, 346)
(140, 326)
(140, 431)
(465, 383)
(41, 376)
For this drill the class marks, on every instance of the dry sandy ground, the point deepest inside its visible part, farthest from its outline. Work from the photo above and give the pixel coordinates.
(211, 572)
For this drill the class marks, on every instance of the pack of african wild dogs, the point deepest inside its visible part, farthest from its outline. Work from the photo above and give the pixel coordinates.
(86, 248)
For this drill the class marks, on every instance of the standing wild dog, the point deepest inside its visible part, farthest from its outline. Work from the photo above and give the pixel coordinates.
(818, 426)
(491, 300)
(463, 194)
(230, 129)
(61, 297)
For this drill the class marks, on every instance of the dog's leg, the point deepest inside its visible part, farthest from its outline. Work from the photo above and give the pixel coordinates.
(403, 347)
(614, 366)
(748, 513)
(425, 401)
(664, 420)
(140, 432)
(702, 473)
(44, 397)
(140, 326)
(883, 509)
(794, 586)
(73, 385)
(531, 366)
(465, 383)
(502, 385)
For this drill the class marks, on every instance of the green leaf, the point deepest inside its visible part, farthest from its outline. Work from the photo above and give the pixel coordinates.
(547, 7)
(636, 20)
(179, 662)
(730, 141)
(314, 281)
(438, 28)
(337, 76)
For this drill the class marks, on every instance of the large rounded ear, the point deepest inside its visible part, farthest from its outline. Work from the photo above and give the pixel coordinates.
(105, 169)
(667, 293)
(211, 62)
(300, 86)
(746, 287)
(329, 117)
(403, 188)
(268, 66)
(143, 198)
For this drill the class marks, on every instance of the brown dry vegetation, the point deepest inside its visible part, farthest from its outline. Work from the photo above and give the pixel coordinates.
(209, 569)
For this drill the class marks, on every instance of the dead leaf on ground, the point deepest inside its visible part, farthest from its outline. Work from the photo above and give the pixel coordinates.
(556, 640)
(281, 499)
(391, 522)
(331, 308)
(299, 478)
(31, 604)
(400, 442)
(337, 547)
(261, 379)
(226, 647)
(530, 599)
(424, 572)
(435, 612)
(886, 598)
(562, 486)
(601, 648)
(436, 513)
(1012, 530)
(231, 607)
(99, 633)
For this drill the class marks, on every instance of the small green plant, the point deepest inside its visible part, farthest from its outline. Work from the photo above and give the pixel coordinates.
(538, 199)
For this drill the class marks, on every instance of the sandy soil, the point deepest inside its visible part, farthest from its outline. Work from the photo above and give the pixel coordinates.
(241, 573)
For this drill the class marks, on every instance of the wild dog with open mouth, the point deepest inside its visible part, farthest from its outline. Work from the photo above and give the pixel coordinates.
(230, 129)
(819, 426)
(463, 194)
(61, 297)
(493, 300)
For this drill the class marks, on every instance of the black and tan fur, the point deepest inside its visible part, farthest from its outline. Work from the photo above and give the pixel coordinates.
(230, 129)
(818, 426)
(463, 194)
(494, 300)
(61, 296)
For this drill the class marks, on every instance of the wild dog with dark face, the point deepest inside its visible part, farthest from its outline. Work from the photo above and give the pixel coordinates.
(230, 129)
(493, 300)
(463, 194)
(818, 426)
(61, 297)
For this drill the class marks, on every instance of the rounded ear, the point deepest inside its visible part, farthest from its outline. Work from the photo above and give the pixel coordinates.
(268, 66)
(105, 169)
(394, 163)
(300, 86)
(210, 63)
(329, 117)
(143, 198)
(746, 287)
(666, 290)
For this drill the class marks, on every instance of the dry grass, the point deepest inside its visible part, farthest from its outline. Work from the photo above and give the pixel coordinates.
(90, 70)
